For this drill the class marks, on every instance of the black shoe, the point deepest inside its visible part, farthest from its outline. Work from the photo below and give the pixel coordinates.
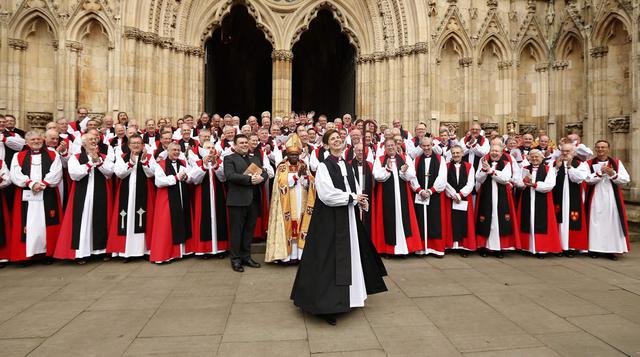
(47, 261)
(127, 260)
(569, 254)
(81, 261)
(593, 255)
(3, 264)
(464, 254)
(499, 255)
(205, 257)
(484, 254)
(330, 319)
(251, 263)
(106, 258)
(612, 256)
(237, 266)
(540, 256)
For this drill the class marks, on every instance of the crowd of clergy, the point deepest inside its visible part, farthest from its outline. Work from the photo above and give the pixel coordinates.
(105, 188)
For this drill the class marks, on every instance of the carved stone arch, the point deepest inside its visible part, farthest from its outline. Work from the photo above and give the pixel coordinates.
(22, 25)
(460, 47)
(499, 45)
(538, 49)
(531, 34)
(492, 27)
(564, 45)
(602, 29)
(452, 27)
(304, 18)
(209, 17)
(78, 26)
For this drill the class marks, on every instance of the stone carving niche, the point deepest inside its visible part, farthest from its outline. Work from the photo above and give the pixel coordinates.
(38, 120)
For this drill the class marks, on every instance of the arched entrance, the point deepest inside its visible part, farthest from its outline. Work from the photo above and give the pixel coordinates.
(238, 67)
(324, 69)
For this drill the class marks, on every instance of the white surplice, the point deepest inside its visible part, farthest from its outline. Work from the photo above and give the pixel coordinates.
(196, 177)
(605, 229)
(77, 172)
(497, 177)
(334, 197)
(36, 237)
(381, 174)
(135, 243)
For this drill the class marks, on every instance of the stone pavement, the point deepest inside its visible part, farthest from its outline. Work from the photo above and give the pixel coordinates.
(474, 307)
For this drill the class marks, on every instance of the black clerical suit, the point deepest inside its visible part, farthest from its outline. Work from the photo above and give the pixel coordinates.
(243, 200)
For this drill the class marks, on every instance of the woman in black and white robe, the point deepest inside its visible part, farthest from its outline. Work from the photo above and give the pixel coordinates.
(340, 265)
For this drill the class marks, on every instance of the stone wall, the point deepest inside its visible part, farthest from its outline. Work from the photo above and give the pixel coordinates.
(517, 65)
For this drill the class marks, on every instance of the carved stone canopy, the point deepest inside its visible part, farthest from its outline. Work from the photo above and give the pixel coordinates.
(488, 127)
(528, 129)
(453, 126)
(39, 120)
(619, 124)
(573, 128)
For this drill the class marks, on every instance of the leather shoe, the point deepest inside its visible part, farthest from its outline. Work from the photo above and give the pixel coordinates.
(236, 266)
(251, 263)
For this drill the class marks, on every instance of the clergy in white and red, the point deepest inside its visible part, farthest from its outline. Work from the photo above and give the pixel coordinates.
(429, 184)
(458, 205)
(85, 226)
(608, 226)
(395, 228)
(210, 222)
(538, 225)
(363, 170)
(37, 212)
(172, 215)
(496, 223)
(5, 215)
(132, 218)
(475, 146)
(568, 201)
(225, 144)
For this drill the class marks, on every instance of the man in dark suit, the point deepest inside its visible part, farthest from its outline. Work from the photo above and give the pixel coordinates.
(243, 200)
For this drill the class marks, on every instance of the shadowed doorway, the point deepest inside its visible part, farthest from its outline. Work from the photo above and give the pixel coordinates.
(238, 67)
(324, 69)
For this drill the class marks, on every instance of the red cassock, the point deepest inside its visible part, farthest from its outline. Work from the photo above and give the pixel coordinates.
(202, 241)
(163, 245)
(262, 223)
(545, 230)
(53, 211)
(68, 241)
(384, 195)
(456, 220)
(5, 223)
(118, 237)
(509, 229)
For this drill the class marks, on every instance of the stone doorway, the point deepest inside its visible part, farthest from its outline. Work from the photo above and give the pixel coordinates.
(324, 69)
(238, 67)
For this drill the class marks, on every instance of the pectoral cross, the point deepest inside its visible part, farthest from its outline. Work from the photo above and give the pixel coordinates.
(123, 214)
(140, 212)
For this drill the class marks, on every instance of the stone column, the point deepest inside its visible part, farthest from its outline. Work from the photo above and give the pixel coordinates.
(596, 129)
(619, 128)
(422, 71)
(466, 113)
(15, 77)
(282, 76)
(542, 69)
(558, 107)
(71, 93)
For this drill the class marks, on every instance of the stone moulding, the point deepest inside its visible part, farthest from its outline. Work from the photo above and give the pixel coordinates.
(152, 38)
(39, 120)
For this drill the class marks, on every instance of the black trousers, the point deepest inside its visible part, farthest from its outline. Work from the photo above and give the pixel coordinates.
(242, 223)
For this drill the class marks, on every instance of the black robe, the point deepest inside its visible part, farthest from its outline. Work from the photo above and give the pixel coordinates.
(324, 275)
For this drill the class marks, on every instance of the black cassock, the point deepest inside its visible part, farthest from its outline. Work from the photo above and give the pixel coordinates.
(324, 275)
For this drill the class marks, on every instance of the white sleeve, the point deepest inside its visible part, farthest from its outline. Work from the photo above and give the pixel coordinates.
(162, 180)
(4, 174)
(578, 174)
(78, 171)
(583, 152)
(481, 150)
(410, 174)
(313, 161)
(267, 166)
(107, 167)
(149, 166)
(380, 173)
(17, 177)
(328, 194)
(15, 143)
(122, 169)
(502, 176)
(440, 182)
(466, 190)
(622, 176)
(54, 176)
(549, 181)
(196, 174)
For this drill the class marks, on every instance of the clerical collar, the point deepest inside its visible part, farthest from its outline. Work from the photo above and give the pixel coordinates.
(427, 155)
(35, 152)
(334, 158)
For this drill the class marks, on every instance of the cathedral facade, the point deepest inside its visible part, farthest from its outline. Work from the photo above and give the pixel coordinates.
(512, 65)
